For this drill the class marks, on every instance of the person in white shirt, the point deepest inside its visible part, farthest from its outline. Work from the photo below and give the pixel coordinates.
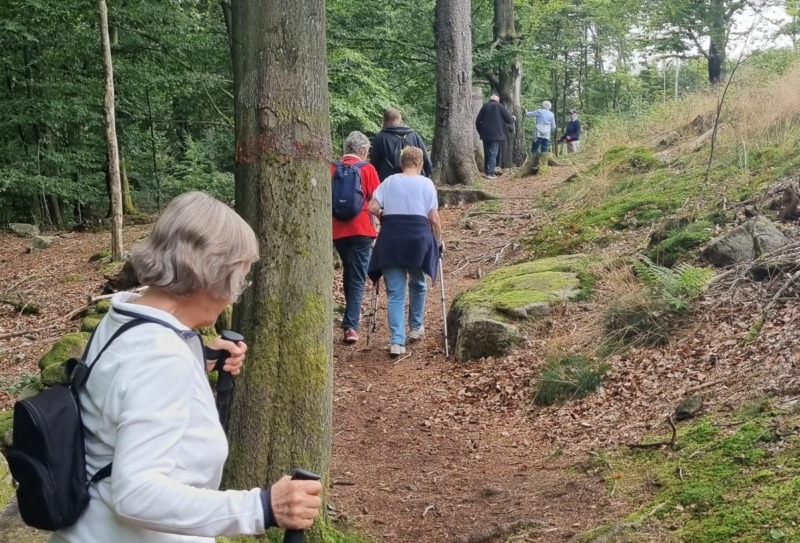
(149, 408)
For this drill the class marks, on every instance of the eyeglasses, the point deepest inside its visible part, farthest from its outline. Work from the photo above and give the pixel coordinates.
(244, 284)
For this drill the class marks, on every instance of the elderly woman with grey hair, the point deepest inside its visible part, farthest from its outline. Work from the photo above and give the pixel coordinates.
(353, 237)
(545, 126)
(148, 406)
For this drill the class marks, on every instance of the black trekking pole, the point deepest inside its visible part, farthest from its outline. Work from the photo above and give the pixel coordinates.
(299, 536)
(224, 379)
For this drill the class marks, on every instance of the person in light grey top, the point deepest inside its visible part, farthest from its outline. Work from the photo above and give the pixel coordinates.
(545, 126)
(149, 408)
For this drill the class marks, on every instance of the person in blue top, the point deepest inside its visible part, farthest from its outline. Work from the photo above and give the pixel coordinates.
(545, 126)
(572, 135)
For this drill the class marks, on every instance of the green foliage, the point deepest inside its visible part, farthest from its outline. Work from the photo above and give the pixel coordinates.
(678, 287)
(567, 377)
(679, 242)
(26, 380)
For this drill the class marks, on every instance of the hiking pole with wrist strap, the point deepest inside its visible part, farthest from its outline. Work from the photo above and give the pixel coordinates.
(224, 378)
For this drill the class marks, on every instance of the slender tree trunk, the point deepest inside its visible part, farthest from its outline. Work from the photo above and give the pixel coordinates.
(117, 251)
(453, 155)
(717, 42)
(513, 149)
(282, 405)
(127, 200)
(477, 103)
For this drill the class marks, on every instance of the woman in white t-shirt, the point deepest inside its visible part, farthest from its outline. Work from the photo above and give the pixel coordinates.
(408, 244)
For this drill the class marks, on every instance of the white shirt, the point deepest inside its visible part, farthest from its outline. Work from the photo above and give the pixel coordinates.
(148, 406)
(401, 194)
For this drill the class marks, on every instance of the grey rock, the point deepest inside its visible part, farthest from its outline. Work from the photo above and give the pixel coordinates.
(24, 230)
(477, 332)
(40, 243)
(746, 242)
(13, 529)
(689, 407)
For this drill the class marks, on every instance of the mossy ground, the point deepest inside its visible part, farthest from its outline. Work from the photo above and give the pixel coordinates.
(733, 479)
(628, 188)
(323, 535)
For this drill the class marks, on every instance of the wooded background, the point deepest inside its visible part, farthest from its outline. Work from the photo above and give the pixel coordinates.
(174, 83)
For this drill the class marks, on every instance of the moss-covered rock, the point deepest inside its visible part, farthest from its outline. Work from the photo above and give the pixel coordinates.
(69, 346)
(55, 374)
(90, 322)
(6, 486)
(481, 320)
(102, 307)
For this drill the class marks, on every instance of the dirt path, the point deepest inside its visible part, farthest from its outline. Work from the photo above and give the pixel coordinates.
(413, 459)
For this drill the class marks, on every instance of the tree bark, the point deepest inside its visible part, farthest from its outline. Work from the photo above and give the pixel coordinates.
(127, 200)
(282, 405)
(716, 49)
(513, 149)
(453, 144)
(117, 251)
(477, 103)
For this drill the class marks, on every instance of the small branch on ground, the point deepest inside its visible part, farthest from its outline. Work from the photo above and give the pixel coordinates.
(657, 444)
(499, 530)
(27, 331)
(77, 312)
(23, 306)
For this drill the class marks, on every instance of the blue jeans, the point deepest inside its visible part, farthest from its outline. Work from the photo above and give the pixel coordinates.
(490, 149)
(354, 252)
(542, 143)
(395, 279)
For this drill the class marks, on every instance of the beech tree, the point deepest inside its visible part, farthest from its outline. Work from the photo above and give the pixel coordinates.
(281, 408)
(508, 81)
(115, 188)
(453, 143)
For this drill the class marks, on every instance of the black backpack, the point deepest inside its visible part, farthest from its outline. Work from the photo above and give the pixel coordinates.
(397, 152)
(347, 191)
(48, 456)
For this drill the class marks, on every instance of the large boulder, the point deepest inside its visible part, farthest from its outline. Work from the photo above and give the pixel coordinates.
(484, 321)
(39, 243)
(24, 230)
(746, 242)
(69, 346)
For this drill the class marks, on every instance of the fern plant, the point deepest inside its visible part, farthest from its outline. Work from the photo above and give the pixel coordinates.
(678, 287)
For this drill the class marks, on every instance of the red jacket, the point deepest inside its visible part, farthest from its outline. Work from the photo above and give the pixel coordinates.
(361, 225)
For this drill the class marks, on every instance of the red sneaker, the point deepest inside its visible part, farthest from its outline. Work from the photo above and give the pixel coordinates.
(350, 336)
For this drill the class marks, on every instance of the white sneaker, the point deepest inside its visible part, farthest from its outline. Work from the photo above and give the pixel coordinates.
(414, 335)
(397, 350)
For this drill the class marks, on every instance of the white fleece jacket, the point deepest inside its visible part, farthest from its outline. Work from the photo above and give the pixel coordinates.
(148, 407)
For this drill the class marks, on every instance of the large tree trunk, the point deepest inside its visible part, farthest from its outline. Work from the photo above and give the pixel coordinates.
(117, 252)
(453, 155)
(513, 149)
(127, 199)
(281, 408)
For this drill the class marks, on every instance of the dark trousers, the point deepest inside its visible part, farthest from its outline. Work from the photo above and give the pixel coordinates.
(540, 145)
(354, 252)
(490, 149)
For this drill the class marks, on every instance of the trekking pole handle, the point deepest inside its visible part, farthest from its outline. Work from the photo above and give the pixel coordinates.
(224, 379)
(299, 536)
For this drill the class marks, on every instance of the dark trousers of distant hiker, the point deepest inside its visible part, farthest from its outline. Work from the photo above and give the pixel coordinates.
(355, 252)
(490, 149)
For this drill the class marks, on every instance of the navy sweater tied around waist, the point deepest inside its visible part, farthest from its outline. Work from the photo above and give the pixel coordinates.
(405, 241)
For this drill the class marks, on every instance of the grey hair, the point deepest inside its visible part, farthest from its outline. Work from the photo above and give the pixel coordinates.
(199, 243)
(546, 104)
(356, 142)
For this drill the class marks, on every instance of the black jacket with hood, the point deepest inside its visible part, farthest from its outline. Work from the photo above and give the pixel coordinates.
(386, 147)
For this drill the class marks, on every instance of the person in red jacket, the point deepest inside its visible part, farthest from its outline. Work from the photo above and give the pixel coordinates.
(353, 239)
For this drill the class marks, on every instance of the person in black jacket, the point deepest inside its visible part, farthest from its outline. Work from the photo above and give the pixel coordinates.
(492, 123)
(572, 135)
(392, 139)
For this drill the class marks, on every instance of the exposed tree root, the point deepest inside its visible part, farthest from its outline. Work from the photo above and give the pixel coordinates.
(499, 530)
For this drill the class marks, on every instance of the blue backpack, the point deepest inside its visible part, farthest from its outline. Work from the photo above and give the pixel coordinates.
(347, 191)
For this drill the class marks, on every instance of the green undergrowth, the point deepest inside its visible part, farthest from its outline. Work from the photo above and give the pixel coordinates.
(629, 189)
(567, 377)
(727, 479)
(324, 535)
